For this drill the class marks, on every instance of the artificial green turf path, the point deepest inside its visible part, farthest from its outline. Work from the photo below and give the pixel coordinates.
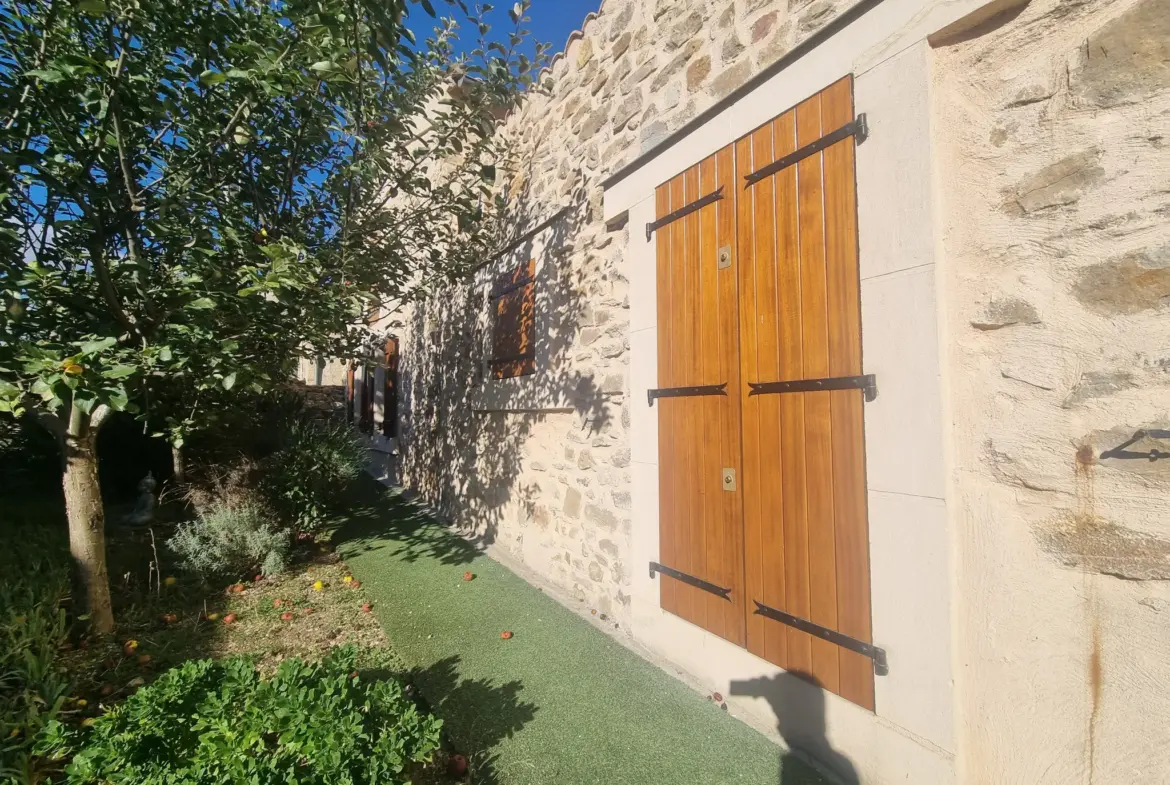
(560, 702)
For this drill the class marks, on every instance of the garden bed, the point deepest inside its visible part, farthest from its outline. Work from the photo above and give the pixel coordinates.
(167, 618)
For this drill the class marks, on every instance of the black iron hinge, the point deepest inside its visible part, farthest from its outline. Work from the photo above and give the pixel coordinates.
(690, 580)
(880, 666)
(686, 392)
(858, 129)
(866, 383)
(682, 212)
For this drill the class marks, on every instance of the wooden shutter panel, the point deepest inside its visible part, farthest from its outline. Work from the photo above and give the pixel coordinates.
(390, 390)
(804, 473)
(700, 525)
(367, 419)
(350, 391)
(514, 330)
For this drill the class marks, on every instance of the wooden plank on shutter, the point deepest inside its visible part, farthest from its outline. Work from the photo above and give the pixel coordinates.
(794, 510)
(667, 454)
(804, 503)
(849, 489)
(700, 523)
(818, 434)
(728, 570)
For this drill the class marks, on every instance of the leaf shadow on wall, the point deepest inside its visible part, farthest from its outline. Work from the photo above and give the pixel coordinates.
(798, 703)
(474, 466)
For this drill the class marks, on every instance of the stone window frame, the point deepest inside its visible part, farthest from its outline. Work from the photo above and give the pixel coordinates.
(529, 392)
(517, 357)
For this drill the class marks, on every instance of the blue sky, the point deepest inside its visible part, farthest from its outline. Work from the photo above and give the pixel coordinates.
(552, 20)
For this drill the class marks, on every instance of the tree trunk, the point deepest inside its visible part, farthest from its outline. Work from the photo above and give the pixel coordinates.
(178, 468)
(87, 520)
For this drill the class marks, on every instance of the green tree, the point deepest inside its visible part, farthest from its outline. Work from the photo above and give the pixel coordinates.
(193, 193)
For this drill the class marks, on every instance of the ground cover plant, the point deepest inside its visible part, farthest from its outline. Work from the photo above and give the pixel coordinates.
(222, 721)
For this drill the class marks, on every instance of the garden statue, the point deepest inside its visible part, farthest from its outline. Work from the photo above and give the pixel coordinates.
(143, 512)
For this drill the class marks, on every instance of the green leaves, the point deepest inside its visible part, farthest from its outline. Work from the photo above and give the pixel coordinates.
(276, 171)
(91, 7)
(311, 723)
(212, 78)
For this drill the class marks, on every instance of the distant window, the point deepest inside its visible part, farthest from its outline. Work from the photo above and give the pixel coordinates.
(514, 331)
(350, 391)
(367, 419)
(390, 390)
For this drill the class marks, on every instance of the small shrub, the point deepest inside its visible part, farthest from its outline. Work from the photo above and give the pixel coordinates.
(308, 475)
(231, 539)
(221, 722)
(34, 581)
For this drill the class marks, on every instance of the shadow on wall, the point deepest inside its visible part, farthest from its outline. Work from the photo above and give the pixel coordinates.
(471, 465)
(798, 701)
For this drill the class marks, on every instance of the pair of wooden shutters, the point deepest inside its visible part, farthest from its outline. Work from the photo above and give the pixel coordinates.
(762, 490)
(514, 329)
(390, 389)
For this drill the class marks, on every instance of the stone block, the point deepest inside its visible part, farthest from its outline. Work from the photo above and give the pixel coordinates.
(1127, 60)
(1126, 285)
(572, 506)
(1060, 183)
(1006, 312)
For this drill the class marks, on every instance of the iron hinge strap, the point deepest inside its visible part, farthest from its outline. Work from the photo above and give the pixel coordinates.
(686, 392)
(682, 212)
(866, 383)
(880, 665)
(690, 580)
(858, 128)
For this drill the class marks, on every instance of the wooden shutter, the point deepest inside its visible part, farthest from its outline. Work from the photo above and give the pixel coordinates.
(807, 548)
(700, 523)
(390, 390)
(367, 421)
(350, 392)
(758, 284)
(514, 330)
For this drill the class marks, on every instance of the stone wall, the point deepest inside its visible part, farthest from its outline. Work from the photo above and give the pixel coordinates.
(547, 477)
(1053, 126)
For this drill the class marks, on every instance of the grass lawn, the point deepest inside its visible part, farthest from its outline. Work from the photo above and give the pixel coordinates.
(560, 702)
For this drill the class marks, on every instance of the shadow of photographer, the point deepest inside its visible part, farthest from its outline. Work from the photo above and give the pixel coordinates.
(798, 703)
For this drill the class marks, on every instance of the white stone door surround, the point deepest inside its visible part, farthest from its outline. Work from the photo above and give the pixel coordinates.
(911, 736)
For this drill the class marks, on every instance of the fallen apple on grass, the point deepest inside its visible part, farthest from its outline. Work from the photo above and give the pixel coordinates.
(366, 608)
(286, 616)
(506, 635)
(229, 619)
(468, 576)
(457, 765)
